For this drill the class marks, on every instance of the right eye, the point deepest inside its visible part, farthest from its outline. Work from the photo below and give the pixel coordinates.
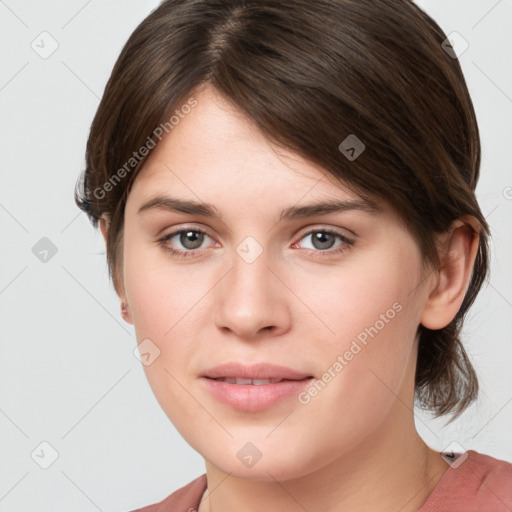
(190, 239)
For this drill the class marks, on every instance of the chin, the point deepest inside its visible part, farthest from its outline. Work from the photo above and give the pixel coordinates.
(279, 466)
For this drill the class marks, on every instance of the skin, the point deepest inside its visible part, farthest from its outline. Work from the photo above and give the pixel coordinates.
(354, 446)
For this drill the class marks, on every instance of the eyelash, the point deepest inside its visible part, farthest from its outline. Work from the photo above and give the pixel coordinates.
(312, 252)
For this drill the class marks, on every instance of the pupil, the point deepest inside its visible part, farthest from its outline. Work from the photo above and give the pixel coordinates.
(320, 237)
(191, 236)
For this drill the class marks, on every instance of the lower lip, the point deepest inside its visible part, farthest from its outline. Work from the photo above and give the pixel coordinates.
(251, 398)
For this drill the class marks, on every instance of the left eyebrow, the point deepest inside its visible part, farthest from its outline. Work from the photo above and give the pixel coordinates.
(327, 207)
(173, 204)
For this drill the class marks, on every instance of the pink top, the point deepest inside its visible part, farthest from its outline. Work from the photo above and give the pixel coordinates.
(480, 483)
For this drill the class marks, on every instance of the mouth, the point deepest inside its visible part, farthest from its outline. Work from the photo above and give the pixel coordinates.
(253, 387)
(254, 382)
(253, 395)
(256, 374)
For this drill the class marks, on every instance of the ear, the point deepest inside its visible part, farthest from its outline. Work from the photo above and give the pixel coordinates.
(458, 249)
(104, 224)
(125, 309)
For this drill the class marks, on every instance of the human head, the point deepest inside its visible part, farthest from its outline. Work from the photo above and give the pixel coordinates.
(309, 75)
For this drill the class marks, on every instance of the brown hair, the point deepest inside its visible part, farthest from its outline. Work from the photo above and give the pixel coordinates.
(309, 74)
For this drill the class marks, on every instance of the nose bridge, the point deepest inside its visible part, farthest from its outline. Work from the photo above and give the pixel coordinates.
(251, 297)
(249, 278)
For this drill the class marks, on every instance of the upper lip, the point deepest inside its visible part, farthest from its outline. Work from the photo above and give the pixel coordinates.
(254, 371)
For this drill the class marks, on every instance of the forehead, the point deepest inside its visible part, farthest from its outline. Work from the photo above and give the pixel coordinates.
(216, 147)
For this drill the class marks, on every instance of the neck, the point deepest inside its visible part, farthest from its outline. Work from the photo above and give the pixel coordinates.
(388, 473)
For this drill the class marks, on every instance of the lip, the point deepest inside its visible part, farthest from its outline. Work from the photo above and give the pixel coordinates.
(254, 371)
(249, 397)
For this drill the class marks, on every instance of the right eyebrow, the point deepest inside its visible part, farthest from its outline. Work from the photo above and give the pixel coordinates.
(173, 204)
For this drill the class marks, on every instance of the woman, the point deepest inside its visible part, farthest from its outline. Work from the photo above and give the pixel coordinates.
(287, 194)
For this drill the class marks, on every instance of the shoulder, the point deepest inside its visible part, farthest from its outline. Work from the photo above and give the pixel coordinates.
(495, 475)
(487, 465)
(474, 482)
(184, 499)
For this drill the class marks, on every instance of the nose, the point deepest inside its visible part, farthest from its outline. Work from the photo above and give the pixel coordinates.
(252, 301)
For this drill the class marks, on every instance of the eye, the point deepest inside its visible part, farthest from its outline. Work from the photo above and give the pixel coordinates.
(323, 240)
(190, 239)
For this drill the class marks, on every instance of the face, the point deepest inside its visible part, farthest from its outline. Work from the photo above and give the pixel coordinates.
(333, 296)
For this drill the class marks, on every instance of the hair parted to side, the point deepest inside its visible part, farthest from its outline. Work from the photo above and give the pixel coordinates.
(309, 74)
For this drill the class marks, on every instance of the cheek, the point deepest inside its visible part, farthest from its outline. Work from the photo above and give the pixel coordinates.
(161, 294)
(370, 295)
(372, 314)
(164, 304)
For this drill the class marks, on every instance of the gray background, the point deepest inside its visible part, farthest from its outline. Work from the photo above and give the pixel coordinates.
(68, 376)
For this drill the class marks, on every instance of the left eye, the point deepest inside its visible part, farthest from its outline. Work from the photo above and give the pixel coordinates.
(322, 240)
